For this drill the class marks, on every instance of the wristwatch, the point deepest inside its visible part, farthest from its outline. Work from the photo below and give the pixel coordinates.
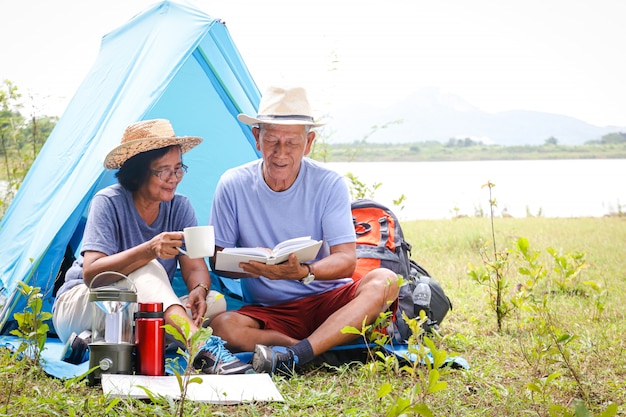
(310, 276)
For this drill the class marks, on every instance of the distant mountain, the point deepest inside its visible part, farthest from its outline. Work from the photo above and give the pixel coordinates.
(430, 114)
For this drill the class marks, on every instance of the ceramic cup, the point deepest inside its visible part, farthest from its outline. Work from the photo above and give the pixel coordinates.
(199, 241)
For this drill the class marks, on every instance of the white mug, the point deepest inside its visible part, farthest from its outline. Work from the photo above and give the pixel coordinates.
(199, 241)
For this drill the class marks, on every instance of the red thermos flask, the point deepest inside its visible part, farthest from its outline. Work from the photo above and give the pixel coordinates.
(150, 339)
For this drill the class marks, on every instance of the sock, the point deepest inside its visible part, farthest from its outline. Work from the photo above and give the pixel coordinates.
(302, 352)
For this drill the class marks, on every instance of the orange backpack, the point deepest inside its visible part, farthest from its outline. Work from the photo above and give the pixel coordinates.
(380, 244)
(379, 239)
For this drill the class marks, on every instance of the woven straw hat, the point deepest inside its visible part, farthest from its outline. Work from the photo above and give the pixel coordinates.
(283, 106)
(144, 136)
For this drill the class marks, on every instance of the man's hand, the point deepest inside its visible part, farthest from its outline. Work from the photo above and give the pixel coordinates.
(291, 269)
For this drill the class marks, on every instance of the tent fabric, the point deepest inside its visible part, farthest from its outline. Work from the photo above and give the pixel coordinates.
(171, 61)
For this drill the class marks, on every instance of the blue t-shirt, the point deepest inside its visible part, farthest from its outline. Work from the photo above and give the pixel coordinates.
(114, 225)
(247, 213)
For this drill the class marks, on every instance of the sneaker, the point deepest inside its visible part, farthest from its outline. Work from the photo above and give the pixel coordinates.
(76, 350)
(274, 359)
(215, 359)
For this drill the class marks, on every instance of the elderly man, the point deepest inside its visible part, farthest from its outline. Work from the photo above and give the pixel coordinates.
(296, 310)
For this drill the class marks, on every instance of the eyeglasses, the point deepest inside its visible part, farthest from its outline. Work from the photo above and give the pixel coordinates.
(166, 174)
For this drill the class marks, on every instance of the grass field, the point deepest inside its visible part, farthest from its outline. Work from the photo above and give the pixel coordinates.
(563, 344)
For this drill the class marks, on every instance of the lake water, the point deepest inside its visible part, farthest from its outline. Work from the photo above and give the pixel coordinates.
(554, 188)
(439, 190)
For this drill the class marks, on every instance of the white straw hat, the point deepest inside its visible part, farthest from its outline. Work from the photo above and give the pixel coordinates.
(283, 106)
(144, 136)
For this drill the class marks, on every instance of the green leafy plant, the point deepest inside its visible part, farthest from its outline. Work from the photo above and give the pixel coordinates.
(567, 268)
(399, 202)
(424, 363)
(31, 326)
(600, 295)
(549, 344)
(192, 344)
(359, 189)
(494, 270)
(539, 387)
(580, 410)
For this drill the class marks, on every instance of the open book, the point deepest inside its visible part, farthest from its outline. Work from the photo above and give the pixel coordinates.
(304, 247)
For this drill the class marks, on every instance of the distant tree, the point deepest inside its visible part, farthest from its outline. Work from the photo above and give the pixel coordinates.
(618, 137)
(21, 140)
(462, 143)
(471, 142)
(451, 143)
(10, 121)
(37, 131)
(551, 141)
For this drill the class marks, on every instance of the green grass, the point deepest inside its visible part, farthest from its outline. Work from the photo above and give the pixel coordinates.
(503, 364)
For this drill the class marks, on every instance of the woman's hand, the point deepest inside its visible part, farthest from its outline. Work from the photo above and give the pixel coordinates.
(165, 245)
(196, 276)
(196, 302)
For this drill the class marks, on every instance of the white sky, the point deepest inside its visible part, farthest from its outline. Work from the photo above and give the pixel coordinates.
(558, 56)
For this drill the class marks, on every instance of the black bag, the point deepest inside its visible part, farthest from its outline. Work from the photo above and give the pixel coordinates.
(440, 304)
(380, 243)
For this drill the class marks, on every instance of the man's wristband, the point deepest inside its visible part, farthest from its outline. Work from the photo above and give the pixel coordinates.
(204, 287)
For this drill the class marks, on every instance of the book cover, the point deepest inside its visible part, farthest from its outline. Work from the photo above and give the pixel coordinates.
(304, 248)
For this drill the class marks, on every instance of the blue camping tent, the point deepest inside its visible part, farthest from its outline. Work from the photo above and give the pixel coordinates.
(171, 61)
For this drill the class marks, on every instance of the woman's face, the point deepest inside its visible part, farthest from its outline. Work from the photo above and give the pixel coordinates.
(166, 175)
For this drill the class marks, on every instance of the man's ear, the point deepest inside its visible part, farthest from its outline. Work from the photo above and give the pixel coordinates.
(255, 133)
(310, 137)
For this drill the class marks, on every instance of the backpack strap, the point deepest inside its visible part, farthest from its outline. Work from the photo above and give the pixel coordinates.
(384, 232)
(361, 228)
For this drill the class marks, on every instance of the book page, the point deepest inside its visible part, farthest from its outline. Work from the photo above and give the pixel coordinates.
(292, 245)
(249, 251)
(305, 249)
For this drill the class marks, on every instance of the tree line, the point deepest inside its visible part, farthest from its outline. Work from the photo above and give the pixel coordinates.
(21, 139)
(610, 146)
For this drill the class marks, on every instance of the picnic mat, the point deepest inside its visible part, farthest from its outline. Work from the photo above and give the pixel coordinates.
(53, 365)
(51, 358)
(403, 351)
(215, 389)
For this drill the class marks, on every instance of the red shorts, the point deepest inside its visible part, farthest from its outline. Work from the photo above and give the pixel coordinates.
(300, 318)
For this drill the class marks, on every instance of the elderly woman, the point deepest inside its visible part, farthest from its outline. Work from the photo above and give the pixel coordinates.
(134, 228)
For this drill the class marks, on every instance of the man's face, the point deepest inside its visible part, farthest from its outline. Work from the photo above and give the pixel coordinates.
(282, 148)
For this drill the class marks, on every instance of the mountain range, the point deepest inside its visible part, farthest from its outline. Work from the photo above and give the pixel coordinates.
(432, 115)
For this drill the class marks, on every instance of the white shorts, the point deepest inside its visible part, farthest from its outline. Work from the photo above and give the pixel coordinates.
(73, 312)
